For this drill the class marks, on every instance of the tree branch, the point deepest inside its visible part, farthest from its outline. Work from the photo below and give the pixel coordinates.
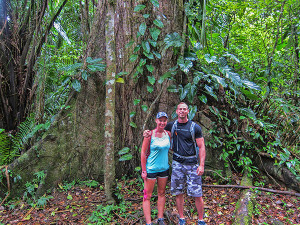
(253, 187)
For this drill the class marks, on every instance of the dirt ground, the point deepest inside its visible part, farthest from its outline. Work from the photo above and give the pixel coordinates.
(76, 205)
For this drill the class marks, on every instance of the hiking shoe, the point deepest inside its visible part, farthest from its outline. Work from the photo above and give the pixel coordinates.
(160, 221)
(181, 221)
(201, 222)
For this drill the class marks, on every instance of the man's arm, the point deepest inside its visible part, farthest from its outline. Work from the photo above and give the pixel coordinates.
(202, 155)
(146, 133)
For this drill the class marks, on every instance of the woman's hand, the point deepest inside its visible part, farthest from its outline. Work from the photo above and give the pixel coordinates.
(144, 174)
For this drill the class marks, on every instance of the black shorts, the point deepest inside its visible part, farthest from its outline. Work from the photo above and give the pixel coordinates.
(158, 174)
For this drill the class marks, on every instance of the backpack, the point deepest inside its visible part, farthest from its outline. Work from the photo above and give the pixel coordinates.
(192, 131)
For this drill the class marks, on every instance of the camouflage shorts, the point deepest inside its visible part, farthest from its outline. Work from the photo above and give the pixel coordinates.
(184, 177)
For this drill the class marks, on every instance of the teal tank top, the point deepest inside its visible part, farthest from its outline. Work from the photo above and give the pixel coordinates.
(157, 161)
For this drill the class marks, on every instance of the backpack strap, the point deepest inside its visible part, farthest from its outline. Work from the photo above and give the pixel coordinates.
(192, 131)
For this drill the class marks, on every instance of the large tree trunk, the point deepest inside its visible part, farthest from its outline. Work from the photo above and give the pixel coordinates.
(109, 137)
(74, 146)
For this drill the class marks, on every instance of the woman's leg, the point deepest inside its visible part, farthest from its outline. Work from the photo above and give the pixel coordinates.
(161, 192)
(148, 185)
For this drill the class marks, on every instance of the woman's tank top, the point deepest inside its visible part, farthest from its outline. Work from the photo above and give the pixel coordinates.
(158, 158)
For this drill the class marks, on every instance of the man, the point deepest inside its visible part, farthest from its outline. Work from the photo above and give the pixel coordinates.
(185, 169)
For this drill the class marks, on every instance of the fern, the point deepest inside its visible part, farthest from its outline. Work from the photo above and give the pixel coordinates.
(12, 146)
(25, 132)
(5, 146)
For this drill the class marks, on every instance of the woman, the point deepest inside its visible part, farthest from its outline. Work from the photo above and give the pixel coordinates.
(154, 160)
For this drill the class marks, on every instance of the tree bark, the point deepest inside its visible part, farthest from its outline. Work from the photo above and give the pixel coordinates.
(109, 136)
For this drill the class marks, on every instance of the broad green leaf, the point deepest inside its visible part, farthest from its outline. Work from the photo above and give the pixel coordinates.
(146, 46)
(151, 80)
(154, 32)
(203, 99)
(234, 77)
(144, 108)
(153, 43)
(210, 59)
(136, 101)
(198, 77)
(248, 112)
(192, 113)
(142, 28)
(251, 85)
(233, 57)
(96, 67)
(133, 58)
(148, 55)
(132, 114)
(249, 95)
(150, 68)
(140, 69)
(220, 80)
(155, 3)
(76, 85)
(142, 62)
(146, 16)
(182, 92)
(157, 55)
(124, 151)
(84, 75)
(172, 88)
(184, 65)
(125, 157)
(191, 91)
(150, 89)
(174, 40)
(137, 48)
(139, 8)
(158, 23)
(120, 80)
(132, 124)
(121, 74)
(210, 91)
(165, 76)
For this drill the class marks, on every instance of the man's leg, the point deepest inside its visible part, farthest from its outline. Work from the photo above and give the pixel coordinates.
(200, 207)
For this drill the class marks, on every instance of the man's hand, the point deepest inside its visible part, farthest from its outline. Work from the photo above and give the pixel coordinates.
(147, 133)
(200, 170)
(144, 174)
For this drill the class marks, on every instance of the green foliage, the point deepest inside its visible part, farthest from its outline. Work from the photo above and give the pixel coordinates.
(13, 145)
(105, 214)
(5, 148)
(31, 187)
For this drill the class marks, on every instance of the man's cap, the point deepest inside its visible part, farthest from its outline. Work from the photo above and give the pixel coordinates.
(161, 114)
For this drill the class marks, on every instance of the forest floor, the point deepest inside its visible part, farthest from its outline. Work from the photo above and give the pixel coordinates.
(78, 204)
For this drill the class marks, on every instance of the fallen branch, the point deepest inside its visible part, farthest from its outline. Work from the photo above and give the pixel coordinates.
(253, 187)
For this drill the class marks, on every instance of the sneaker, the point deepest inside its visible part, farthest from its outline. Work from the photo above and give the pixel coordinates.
(160, 221)
(181, 221)
(201, 222)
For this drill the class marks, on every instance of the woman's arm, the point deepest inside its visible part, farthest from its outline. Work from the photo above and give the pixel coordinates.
(145, 147)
